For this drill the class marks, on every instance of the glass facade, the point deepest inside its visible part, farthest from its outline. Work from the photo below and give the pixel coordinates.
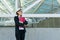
(44, 6)
(28, 7)
(7, 6)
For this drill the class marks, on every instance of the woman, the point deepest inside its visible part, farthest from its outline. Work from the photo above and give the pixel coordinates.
(20, 24)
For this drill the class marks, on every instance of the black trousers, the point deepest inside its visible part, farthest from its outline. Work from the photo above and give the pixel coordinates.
(20, 35)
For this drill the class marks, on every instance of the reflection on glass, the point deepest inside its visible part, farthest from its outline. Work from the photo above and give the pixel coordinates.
(44, 6)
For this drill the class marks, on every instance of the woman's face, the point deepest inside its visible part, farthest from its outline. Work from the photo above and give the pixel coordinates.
(19, 13)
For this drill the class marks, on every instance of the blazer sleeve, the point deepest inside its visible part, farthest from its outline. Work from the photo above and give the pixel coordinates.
(26, 22)
(16, 21)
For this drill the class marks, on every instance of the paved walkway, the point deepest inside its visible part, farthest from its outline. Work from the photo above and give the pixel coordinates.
(7, 33)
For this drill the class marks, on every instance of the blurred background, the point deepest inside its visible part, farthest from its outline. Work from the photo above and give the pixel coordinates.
(39, 28)
(9, 7)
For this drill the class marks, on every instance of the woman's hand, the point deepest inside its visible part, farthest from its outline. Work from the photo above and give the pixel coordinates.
(25, 26)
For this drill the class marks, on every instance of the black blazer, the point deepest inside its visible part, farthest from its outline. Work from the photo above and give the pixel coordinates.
(17, 24)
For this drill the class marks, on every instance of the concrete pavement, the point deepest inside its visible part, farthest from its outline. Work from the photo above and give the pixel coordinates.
(7, 33)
